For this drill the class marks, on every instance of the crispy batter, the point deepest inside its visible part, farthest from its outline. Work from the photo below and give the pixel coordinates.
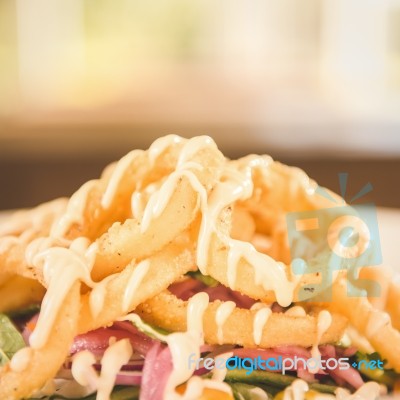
(20, 292)
(169, 245)
(168, 312)
(44, 362)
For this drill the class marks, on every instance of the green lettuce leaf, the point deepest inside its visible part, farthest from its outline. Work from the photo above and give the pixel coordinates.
(10, 340)
(206, 279)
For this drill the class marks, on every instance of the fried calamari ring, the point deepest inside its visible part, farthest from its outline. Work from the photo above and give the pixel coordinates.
(89, 215)
(129, 240)
(374, 324)
(43, 363)
(100, 203)
(20, 230)
(168, 312)
(163, 268)
(19, 292)
(38, 219)
(392, 301)
(245, 275)
(279, 189)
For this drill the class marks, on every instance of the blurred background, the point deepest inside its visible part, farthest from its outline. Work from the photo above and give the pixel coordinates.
(314, 83)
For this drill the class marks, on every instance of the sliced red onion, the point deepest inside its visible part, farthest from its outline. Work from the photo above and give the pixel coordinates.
(306, 375)
(139, 341)
(347, 352)
(327, 351)
(350, 376)
(129, 379)
(293, 351)
(156, 371)
(97, 341)
(185, 289)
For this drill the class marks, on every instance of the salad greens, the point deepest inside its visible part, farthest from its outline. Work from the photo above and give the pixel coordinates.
(273, 379)
(119, 393)
(206, 279)
(25, 312)
(10, 339)
(385, 376)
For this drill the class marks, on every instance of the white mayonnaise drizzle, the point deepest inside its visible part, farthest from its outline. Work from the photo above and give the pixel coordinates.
(358, 340)
(259, 305)
(159, 200)
(116, 355)
(137, 205)
(193, 146)
(63, 266)
(161, 144)
(61, 269)
(21, 359)
(219, 372)
(260, 320)
(296, 391)
(116, 177)
(82, 369)
(296, 311)
(98, 294)
(324, 321)
(32, 219)
(183, 344)
(299, 388)
(271, 275)
(7, 242)
(134, 282)
(74, 211)
(377, 319)
(221, 315)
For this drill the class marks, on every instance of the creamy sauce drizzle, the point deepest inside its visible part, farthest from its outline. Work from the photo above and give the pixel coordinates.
(298, 390)
(259, 305)
(116, 177)
(65, 263)
(98, 294)
(75, 210)
(7, 242)
(193, 146)
(359, 341)
(222, 314)
(159, 200)
(182, 344)
(260, 320)
(32, 219)
(160, 145)
(21, 359)
(376, 320)
(324, 321)
(134, 282)
(219, 374)
(296, 311)
(61, 269)
(117, 355)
